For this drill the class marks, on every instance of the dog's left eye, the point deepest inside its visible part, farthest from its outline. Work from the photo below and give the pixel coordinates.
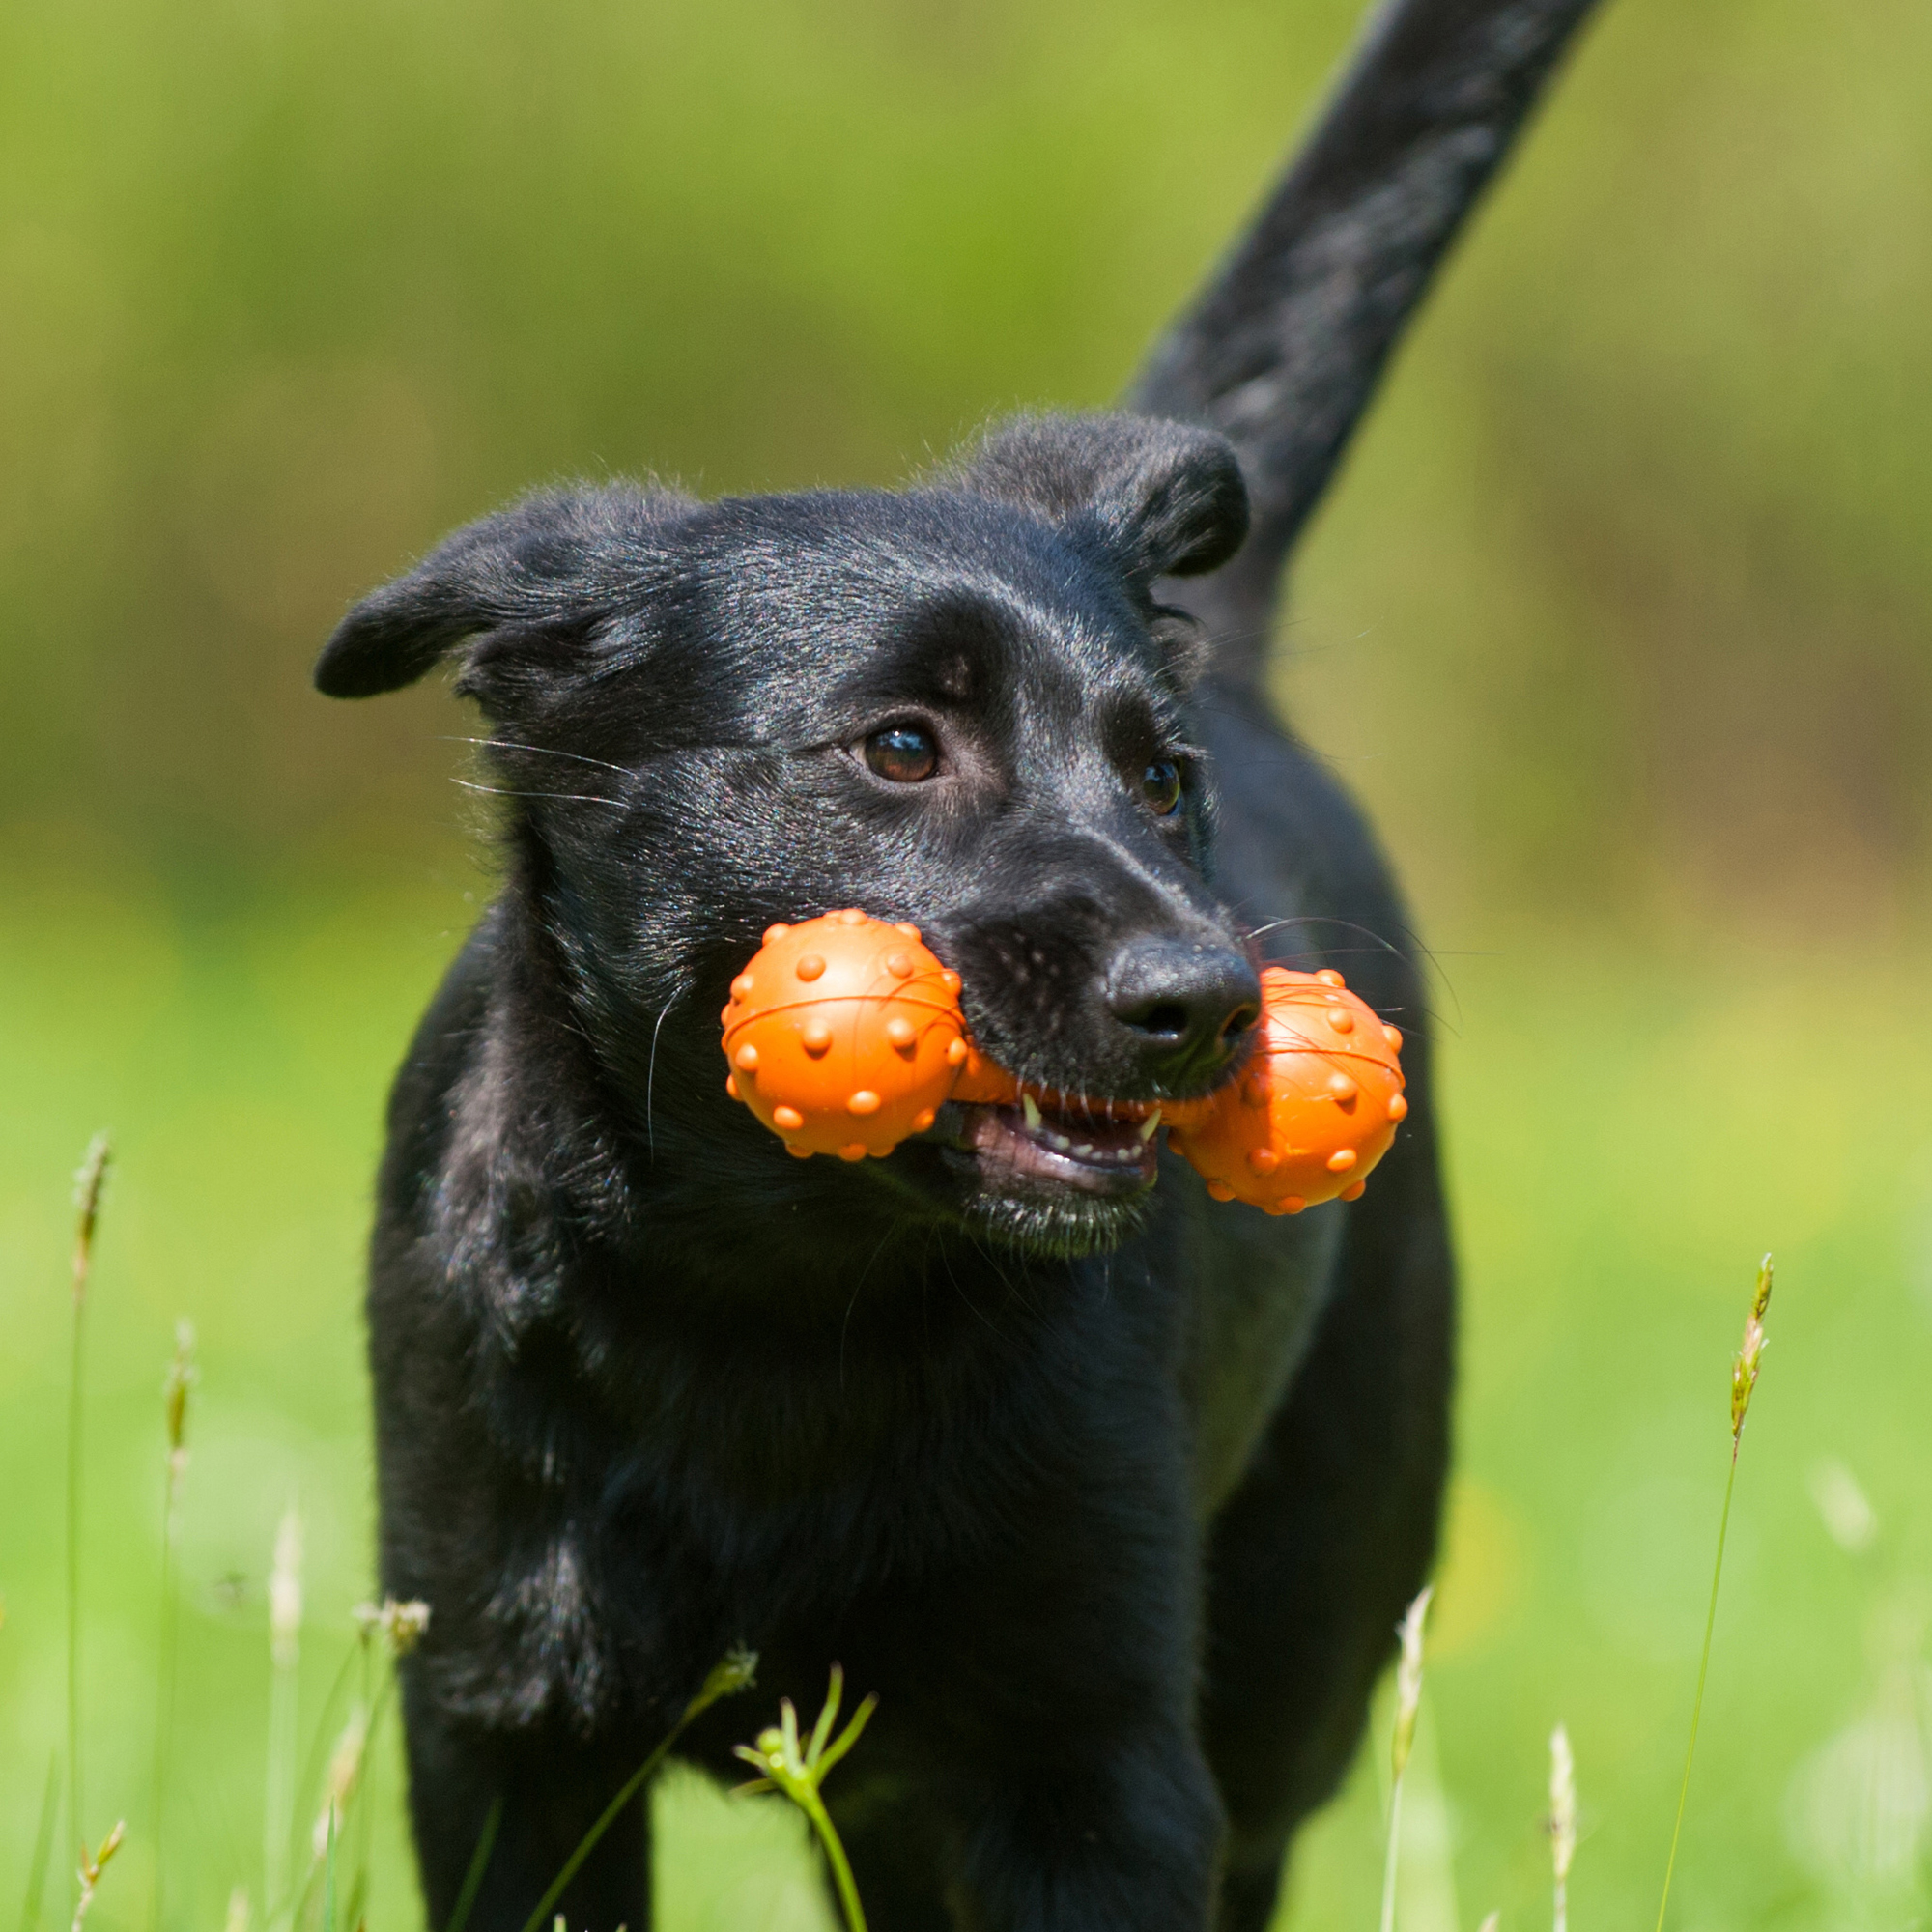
(905, 754)
(1160, 786)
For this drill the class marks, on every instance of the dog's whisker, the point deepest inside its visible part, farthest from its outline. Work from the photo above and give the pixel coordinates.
(1427, 956)
(568, 797)
(651, 1074)
(992, 1326)
(1382, 943)
(858, 1287)
(541, 751)
(1013, 1291)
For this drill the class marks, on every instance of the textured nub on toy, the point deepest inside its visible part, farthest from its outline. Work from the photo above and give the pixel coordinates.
(844, 1034)
(1313, 1111)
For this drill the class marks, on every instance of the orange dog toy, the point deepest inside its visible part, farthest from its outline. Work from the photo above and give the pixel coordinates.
(845, 1036)
(1314, 1111)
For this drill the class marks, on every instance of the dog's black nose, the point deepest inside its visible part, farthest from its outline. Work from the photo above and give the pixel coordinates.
(1189, 1004)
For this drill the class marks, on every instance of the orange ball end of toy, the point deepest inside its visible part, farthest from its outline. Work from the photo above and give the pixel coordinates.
(1315, 1109)
(842, 1035)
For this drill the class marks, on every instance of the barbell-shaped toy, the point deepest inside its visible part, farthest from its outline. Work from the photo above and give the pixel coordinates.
(845, 1037)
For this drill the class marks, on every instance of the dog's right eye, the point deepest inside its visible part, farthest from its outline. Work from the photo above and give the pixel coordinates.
(905, 754)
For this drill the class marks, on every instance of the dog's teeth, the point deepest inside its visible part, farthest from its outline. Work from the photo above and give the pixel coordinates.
(1060, 1141)
(1084, 1152)
(1030, 1111)
(1149, 1125)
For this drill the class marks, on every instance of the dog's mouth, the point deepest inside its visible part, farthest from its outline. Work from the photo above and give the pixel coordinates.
(1057, 1142)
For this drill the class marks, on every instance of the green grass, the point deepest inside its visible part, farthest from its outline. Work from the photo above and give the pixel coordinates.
(1626, 1137)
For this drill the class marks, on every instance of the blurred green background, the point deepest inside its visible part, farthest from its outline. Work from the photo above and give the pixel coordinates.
(1617, 619)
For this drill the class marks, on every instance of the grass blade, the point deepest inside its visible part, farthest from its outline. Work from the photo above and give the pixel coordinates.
(327, 1722)
(480, 1863)
(362, 1801)
(609, 1815)
(732, 1674)
(43, 1845)
(328, 1881)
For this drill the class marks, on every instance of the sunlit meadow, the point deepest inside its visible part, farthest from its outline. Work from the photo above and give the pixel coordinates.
(1617, 619)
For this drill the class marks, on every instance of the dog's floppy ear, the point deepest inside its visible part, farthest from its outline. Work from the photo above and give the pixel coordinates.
(526, 585)
(1164, 499)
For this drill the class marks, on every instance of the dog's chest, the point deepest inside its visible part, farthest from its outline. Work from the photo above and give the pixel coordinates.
(1257, 1286)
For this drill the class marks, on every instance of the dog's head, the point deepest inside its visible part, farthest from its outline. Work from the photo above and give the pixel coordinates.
(958, 705)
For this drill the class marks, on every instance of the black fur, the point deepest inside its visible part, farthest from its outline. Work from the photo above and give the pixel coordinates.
(1112, 1495)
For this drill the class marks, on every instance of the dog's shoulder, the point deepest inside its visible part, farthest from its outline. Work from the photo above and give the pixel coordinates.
(447, 1040)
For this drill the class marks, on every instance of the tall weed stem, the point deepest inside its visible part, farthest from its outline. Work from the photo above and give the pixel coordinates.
(1408, 1704)
(92, 1865)
(1391, 1854)
(1743, 1380)
(181, 1378)
(798, 1768)
(1562, 1825)
(87, 1186)
(43, 1845)
(285, 1616)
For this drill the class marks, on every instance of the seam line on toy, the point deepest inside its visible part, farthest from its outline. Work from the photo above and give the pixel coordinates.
(1322, 1050)
(950, 1012)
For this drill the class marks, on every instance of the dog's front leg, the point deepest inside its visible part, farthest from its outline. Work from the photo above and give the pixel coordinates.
(529, 1796)
(1061, 1741)
(1124, 1840)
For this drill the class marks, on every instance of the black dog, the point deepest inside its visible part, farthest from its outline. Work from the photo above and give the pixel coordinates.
(1111, 1493)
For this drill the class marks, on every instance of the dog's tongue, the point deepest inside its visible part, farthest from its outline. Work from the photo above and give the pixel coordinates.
(1076, 1149)
(1100, 1147)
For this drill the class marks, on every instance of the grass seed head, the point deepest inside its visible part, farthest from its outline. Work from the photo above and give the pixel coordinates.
(339, 1782)
(401, 1626)
(92, 1865)
(1409, 1680)
(181, 1376)
(1744, 1368)
(1562, 1804)
(285, 1592)
(736, 1670)
(88, 1180)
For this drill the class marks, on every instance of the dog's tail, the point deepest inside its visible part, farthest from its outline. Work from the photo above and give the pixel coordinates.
(1282, 349)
